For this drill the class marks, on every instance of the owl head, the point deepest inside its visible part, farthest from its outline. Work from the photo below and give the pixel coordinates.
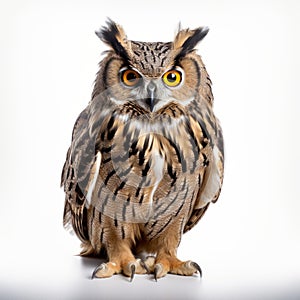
(150, 75)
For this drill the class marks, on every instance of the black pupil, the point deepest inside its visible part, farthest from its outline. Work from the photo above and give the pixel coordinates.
(131, 76)
(171, 77)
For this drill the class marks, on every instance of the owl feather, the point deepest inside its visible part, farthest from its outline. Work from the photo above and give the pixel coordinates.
(114, 36)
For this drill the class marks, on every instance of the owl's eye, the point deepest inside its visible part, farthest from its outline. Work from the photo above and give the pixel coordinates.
(130, 77)
(172, 78)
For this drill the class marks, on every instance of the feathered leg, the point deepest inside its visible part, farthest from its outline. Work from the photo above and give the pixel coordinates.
(166, 261)
(118, 248)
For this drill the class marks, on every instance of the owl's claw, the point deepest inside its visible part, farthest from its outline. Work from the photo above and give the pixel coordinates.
(132, 268)
(148, 263)
(100, 267)
(106, 270)
(158, 271)
(197, 267)
(143, 264)
(155, 273)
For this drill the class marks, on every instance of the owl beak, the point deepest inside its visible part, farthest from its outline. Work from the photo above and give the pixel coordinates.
(151, 88)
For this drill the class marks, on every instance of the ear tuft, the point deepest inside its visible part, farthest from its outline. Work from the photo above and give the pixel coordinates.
(114, 36)
(186, 40)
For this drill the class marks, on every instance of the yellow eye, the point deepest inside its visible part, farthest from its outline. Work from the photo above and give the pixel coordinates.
(130, 77)
(172, 78)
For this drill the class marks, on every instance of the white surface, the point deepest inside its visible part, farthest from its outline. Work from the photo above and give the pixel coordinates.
(248, 243)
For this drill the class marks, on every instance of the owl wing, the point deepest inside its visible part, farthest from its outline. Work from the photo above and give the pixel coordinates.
(213, 174)
(75, 176)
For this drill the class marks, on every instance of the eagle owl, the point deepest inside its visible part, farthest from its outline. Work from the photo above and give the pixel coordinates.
(146, 157)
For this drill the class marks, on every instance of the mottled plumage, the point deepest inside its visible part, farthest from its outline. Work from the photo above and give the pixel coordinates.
(146, 157)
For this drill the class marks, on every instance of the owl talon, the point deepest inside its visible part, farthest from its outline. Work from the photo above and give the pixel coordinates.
(106, 270)
(155, 273)
(145, 267)
(148, 263)
(132, 268)
(197, 267)
(100, 267)
(158, 271)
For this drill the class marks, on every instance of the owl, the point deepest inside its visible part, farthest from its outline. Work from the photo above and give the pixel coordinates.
(146, 156)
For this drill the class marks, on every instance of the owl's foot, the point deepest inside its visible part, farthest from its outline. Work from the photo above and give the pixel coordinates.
(129, 269)
(175, 266)
(162, 265)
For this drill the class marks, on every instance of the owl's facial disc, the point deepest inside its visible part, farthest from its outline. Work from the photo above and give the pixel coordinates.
(151, 93)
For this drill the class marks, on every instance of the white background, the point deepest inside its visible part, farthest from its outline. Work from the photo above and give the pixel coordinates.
(248, 243)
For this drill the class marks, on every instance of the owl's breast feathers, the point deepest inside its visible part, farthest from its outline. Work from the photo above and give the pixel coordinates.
(143, 168)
